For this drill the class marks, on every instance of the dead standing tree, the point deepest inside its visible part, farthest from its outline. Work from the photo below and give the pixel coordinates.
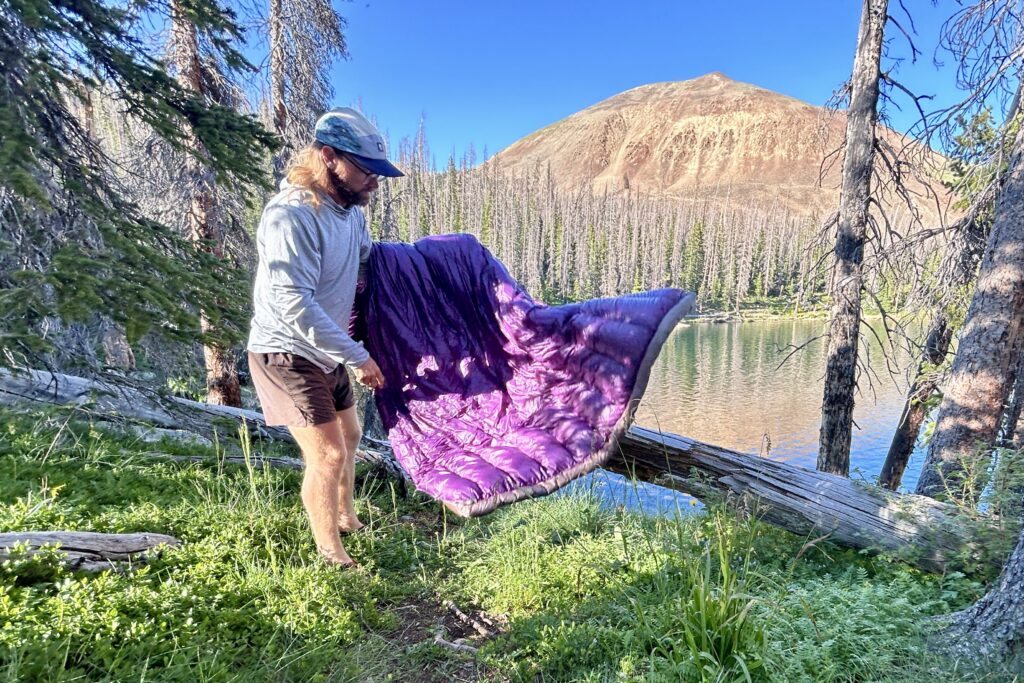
(957, 271)
(305, 38)
(844, 326)
(988, 41)
(983, 370)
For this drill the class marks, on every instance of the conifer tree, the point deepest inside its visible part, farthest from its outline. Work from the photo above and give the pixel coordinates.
(74, 242)
(198, 206)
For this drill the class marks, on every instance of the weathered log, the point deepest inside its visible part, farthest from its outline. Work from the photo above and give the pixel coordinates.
(257, 461)
(28, 387)
(916, 529)
(380, 458)
(86, 550)
(106, 398)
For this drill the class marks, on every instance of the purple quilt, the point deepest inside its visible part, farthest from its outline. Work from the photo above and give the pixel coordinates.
(492, 397)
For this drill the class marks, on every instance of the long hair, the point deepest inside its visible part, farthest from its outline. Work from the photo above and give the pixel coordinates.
(308, 171)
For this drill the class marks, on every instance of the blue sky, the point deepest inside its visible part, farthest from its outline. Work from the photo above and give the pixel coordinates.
(488, 73)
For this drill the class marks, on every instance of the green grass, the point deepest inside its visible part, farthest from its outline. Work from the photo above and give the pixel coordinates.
(576, 592)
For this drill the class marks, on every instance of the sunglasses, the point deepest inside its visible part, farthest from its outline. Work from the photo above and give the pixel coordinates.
(365, 171)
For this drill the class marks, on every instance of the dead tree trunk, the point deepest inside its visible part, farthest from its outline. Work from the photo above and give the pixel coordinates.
(993, 627)
(841, 363)
(222, 385)
(917, 529)
(990, 345)
(914, 411)
(279, 110)
(105, 399)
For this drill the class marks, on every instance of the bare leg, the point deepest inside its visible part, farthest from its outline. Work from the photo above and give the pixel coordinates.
(323, 449)
(351, 433)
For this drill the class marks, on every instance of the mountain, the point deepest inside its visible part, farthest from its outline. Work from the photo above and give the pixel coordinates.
(706, 136)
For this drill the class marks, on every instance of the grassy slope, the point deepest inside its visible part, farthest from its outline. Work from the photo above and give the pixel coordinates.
(579, 593)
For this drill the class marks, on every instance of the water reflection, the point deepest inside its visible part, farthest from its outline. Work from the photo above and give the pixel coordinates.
(721, 383)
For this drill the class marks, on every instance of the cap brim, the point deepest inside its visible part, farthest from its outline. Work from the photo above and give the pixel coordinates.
(381, 167)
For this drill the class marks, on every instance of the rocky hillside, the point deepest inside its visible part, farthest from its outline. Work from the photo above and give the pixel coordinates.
(706, 136)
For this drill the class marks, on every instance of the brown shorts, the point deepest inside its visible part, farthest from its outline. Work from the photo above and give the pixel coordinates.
(295, 392)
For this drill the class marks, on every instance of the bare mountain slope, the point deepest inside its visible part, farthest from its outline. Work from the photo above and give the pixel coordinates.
(710, 135)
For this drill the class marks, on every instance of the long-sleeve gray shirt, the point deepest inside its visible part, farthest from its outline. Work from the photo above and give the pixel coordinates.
(305, 285)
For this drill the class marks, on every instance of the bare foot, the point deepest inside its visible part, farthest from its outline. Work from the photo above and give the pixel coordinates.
(350, 564)
(349, 523)
(336, 554)
(338, 557)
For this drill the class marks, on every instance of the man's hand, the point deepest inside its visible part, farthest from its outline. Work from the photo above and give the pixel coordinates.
(369, 375)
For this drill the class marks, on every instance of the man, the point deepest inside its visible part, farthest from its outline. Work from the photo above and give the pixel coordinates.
(312, 240)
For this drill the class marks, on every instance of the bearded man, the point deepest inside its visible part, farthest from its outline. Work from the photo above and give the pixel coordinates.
(312, 241)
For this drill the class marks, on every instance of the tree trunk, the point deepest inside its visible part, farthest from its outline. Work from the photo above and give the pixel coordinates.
(914, 411)
(993, 627)
(990, 345)
(277, 78)
(841, 364)
(117, 352)
(222, 385)
(916, 529)
(1011, 417)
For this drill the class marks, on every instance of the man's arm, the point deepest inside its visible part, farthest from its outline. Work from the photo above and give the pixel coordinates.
(365, 247)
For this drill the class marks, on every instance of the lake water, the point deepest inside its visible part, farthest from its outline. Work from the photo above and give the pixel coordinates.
(723, 384)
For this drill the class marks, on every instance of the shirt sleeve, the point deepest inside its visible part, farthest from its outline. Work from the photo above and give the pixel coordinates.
(292, 255)
(365, 246)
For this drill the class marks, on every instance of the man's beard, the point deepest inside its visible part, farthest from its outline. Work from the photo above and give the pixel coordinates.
(346, 195)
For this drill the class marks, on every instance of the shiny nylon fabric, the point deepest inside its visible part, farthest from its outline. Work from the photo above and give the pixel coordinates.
(491, 397)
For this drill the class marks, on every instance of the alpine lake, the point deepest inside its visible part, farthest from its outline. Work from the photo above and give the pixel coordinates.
(756, 386)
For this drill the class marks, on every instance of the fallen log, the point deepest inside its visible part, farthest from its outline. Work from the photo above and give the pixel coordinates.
(109, 396)
(85, 550)
(256, 461)
(916, 529)
(105, 397)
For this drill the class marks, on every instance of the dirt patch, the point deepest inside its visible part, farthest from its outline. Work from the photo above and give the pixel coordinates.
(423, 620)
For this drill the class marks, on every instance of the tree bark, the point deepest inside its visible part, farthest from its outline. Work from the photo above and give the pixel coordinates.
(222, 384)
(277, 78)
(993, 627)
(1011, 417)
(915, 410)
(117, 352)
(841, 363)
(990, 345)
(37, 387)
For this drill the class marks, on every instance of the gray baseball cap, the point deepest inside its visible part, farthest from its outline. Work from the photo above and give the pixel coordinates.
(348, 131)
